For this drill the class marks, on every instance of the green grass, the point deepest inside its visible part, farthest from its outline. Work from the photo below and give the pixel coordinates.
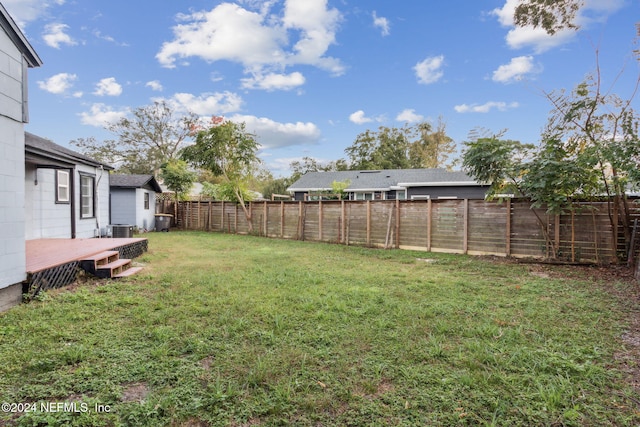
(245, 331)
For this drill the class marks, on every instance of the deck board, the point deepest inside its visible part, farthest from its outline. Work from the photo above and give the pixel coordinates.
(43, 254)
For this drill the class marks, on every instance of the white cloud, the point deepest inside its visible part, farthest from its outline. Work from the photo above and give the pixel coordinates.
(359, 118)
(486, 107)
(262, 41)
(154, 85)
(537, 38)
(25, 11)
(55, 35)
(272, 134)
(100, 115)
(382, 23)
(207, 104)
(429, 71)
(409, 116)
(58, 83)
(272, 81)
(514, 70)
(108, 87)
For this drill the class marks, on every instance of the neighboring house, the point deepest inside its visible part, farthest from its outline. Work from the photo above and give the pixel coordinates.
(133, 200)
(66, 193)
(391, 184)
(16, 57)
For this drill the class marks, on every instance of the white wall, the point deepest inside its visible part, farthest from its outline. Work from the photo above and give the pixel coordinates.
(45, 218)
(145, 218)
(86, 228)
(12, 222)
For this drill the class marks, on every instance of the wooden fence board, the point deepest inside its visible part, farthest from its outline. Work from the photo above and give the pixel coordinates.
(472, 226)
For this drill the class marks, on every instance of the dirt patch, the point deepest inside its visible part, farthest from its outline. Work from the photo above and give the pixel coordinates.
(135, 392)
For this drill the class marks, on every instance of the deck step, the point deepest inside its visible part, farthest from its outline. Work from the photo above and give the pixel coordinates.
(128, 272)
(111, 269)
(93, 262)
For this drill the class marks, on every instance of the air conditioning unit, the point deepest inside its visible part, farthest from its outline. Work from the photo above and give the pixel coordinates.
(120, 231)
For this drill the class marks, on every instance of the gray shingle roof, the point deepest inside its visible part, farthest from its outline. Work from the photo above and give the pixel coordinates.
(48, 149)
(134, 181)
(382, 180)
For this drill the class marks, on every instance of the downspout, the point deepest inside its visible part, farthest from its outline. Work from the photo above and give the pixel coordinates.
(72, 197)
(98, 202)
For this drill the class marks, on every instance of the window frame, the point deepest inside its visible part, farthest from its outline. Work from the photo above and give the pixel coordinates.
(60, 185)
(91, 197)
(146, 200)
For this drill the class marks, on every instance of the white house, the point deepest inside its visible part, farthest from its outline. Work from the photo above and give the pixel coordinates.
(133, 200)
(66, 193)
(16, 56)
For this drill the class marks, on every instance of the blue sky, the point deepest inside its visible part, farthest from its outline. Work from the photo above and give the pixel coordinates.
(308, 76)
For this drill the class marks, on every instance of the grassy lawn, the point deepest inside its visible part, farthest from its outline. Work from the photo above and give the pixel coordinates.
(242, 331)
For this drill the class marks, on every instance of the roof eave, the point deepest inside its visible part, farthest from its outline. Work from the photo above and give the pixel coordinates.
(18, 38)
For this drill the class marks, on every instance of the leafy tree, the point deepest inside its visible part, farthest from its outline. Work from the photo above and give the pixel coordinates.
(226, 149)
(385, 149)
(338, 187)
(177, 177)
(431, 149)
(150, 138)
(550, 15)
(417, 146)
(225, 191)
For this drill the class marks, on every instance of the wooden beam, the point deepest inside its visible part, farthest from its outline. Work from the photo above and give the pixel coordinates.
(429, 224)
(368, 204)
(465, 226)
(320, 220)
(508, 230)
(397, 224)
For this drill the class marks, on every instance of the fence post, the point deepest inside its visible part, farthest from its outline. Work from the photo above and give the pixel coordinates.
(235, 218)
(368, 222)
(465, 238)
(397, 224)
(343, 222)
(222, 216)
(508, 230)
(282, 219)
(320, 219)
(557, 235)
(299, 219)
(266, 217)
(429, 214)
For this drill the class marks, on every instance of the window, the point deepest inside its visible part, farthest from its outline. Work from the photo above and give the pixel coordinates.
(401, 194)
(87, 193)
(62, 186)
(146, 201)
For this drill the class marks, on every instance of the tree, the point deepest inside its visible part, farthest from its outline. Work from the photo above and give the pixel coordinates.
(550, 15)
(177, 177)
(431, 149)
(150, 138)
(226, 149)
(385, 149)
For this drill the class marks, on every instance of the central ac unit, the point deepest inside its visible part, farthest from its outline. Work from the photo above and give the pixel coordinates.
(121, 231)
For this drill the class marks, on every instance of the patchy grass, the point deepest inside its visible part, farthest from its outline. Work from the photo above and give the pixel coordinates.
(242, 331)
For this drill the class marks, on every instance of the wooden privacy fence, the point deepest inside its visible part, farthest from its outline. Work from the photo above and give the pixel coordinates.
(475, 227)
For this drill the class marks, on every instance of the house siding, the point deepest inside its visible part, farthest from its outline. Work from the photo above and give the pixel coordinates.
(459, 192)
(45, 218)
(12, 204)
(145, 218)
(88, 227)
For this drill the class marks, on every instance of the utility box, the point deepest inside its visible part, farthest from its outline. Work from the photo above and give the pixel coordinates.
(121, 231)
(163, 222)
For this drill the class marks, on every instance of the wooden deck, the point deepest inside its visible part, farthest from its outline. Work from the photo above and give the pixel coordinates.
(44, 254)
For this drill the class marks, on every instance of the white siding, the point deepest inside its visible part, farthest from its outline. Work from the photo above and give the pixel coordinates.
(86, 227)
(46, 219)
(145, 218)
(12, 222)
(10, 79)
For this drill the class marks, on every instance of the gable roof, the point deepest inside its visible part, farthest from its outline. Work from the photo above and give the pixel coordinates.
(17, 37)
(46, 152)
(134, 181)
(382, 180)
